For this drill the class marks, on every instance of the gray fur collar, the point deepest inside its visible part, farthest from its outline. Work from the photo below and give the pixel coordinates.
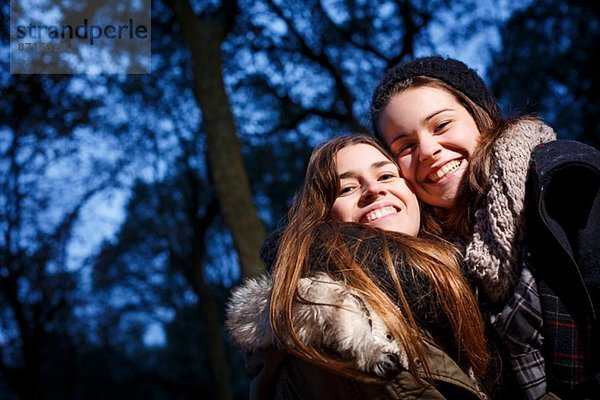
(335, 316)
(493, 252)
(248, 314)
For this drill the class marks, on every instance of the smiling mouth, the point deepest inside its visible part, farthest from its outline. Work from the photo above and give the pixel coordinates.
(445, 170)
(378, 213)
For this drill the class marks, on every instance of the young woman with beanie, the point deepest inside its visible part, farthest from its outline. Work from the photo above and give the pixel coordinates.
(358, 306)
(524, 206)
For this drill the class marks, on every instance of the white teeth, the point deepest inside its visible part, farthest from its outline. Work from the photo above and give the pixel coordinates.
(445, 170)
(379, 213)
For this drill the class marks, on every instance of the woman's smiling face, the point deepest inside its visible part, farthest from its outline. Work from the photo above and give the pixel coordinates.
(373, 193)
(432, 137)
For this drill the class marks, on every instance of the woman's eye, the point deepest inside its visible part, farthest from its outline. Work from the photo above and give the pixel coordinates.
(345, 190)
(387, 176)
(404, 149)
(441, 126)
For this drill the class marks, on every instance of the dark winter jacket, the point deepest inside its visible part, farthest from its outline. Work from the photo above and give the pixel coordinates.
(533, 254)
(562, 236)
(279, 375)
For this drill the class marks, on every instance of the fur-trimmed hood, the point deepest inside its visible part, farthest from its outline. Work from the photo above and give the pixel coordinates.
(353, 329)
(338, 318)
(248, 314)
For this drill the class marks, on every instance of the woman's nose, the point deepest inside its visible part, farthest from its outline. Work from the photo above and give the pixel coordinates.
(429, 149)
(373, 190)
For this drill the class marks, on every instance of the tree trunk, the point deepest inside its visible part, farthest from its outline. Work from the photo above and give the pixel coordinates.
(203, 37)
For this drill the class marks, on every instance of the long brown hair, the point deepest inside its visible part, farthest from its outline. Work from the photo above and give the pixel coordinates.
(457, 220)
(428, 255)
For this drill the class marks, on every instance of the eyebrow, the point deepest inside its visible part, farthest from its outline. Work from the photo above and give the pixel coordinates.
(425, 120)
(375, 165)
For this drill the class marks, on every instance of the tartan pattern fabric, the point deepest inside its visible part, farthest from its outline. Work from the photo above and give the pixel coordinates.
(519, 325)
(567, 344)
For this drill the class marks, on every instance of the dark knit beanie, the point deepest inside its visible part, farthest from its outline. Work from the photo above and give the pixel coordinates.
(453, 72)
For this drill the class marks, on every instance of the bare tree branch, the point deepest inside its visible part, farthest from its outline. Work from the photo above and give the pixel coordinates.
(348, 36)
(322, 59)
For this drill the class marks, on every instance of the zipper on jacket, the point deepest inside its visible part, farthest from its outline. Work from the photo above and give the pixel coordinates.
(543, 218)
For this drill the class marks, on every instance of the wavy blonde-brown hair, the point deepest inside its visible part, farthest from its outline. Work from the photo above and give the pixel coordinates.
(428, 255)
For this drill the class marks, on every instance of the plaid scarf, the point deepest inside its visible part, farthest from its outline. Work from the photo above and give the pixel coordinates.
(567, 343)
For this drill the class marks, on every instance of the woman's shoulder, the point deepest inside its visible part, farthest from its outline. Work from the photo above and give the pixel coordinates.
(562, 153)
(279, 375)
(449, 380)
(569, 168)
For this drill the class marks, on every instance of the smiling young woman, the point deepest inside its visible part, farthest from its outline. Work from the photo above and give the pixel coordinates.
(373, 193)
(525, 206)
(432, 137)
(355, 238)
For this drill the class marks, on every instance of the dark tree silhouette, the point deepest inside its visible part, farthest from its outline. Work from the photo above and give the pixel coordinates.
(548, 64)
